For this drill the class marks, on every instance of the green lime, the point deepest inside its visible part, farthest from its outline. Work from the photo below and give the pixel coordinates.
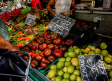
(73, 77)
(66, 75)
(53, 67)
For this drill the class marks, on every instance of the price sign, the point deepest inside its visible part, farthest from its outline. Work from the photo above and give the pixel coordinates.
(30, 20)
(61, 24)
(92, 68)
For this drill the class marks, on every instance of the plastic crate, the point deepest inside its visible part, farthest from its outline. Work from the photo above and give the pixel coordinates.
(26, 10)
(34, 76)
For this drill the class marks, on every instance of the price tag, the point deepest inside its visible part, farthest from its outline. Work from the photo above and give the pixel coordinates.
(92, 68)
(30, 20)
(61, 24)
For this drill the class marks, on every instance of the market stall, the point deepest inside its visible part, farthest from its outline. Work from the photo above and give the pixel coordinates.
(56, 46)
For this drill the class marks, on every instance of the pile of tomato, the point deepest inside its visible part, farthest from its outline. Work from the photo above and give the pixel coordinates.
(46, 48)
(15, 12)
(7, 15)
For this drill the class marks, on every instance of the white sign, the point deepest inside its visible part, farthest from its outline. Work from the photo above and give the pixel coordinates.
(107, 3)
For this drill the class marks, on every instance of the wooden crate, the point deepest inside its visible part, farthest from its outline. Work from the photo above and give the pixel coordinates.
(87, 2)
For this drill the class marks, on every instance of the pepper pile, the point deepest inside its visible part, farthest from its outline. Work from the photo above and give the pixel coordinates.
(45, 48)
(15, 12)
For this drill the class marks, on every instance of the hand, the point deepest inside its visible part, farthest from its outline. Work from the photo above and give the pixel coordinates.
(70, 12)
(15, 48)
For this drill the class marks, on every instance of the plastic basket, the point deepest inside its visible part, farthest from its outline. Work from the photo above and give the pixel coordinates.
(45, 71)
(26, 10)
(34, 76)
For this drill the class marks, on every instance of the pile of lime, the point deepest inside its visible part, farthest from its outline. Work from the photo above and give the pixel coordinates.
(68, 69)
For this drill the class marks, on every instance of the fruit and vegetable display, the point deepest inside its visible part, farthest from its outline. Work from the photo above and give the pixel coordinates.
(67, 67)
(46, 48)
(7, 15)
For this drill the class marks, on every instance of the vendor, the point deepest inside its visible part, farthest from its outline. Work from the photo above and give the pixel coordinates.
(62, 6)
(5, 37)
(38, 4)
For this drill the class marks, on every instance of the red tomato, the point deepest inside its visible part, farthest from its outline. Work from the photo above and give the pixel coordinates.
(57, 41)
(48, 41)
(34, 63)
(40, 40)
(63, 48)
(44, 45)
(63, 42)
(30, 53)
(38, 57)
(69, 42)
(27, 49)
(41, 47)
(47, 52)
(51, 58)
(56, 46)
(58, 52)
(34, 47)
(51, 46)
(45, 63)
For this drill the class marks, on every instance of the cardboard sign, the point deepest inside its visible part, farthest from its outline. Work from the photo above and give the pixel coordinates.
(61, 24)
(92, 68)
(30, 20)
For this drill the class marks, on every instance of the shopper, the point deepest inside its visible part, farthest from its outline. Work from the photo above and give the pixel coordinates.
(62, 6)
(38, 4)
(5, 37)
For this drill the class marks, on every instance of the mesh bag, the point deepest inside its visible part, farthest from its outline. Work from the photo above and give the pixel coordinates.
(4, 31)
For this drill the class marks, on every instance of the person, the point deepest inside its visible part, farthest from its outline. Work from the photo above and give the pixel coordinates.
(38, 4)
(5, 37)
(61, 6)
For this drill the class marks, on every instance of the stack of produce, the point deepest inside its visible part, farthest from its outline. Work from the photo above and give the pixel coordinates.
(7, 15)
(68, 69)
(46, 48)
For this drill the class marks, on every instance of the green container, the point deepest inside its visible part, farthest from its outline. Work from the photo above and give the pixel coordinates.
(34, 76)
(26, 10)
(45, 71)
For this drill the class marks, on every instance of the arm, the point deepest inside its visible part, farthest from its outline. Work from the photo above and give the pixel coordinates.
(6, 45)
(73, 7)
(50, 4)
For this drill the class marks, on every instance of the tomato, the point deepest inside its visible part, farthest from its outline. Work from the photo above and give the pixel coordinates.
(34, 47)
(54, 36)
(57, 41)
(51, 46)
(48, 41)
(69, 42)
(47, 52)
(45, 63)
(29, 45)
(58, 52)
(34, 63)
(41, 47)
(44, 45)
(27, 49)
(51, 58)
(25, 57)
(43, 59)
(63, 42)
(42, 54)
(63, 48)
(56, 46)
(40, 40)
(38, 51)
(38, 57)
(30, 53)
(48, 37)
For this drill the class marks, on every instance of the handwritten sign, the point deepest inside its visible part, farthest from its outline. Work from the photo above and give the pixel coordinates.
(30, 20)
(61, 24)
(92, 68)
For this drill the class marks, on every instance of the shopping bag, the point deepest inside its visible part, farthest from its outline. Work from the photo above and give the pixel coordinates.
(9, 66)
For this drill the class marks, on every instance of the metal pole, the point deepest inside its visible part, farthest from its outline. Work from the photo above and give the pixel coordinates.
(35, 4)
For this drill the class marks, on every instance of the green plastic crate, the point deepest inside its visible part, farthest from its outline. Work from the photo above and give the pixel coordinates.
(45, 71)
(26, 10)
